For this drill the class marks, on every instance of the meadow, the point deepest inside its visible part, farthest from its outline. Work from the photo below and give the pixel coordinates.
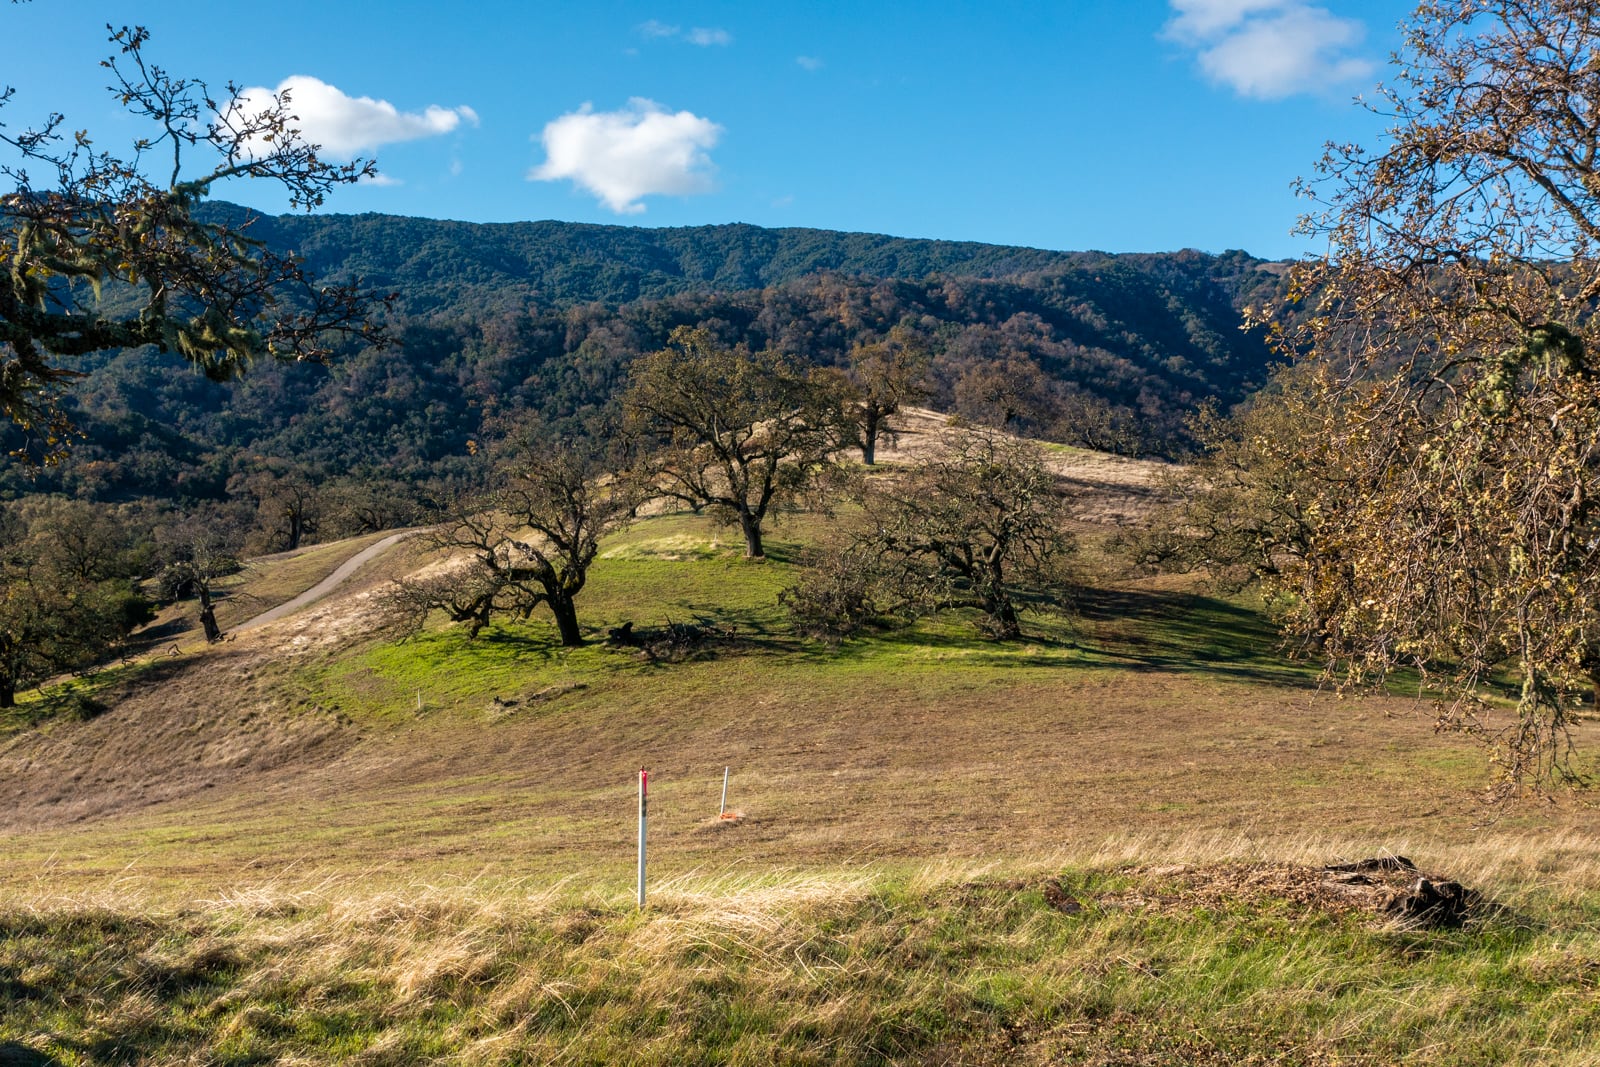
(1102, 844)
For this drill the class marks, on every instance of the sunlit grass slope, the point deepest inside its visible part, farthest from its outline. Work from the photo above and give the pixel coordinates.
(1146, 710)
(1102, 961)
(454, 884)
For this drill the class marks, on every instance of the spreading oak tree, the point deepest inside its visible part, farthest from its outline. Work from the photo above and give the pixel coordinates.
(732, 431)
(980, 523)
(66, 592)
(197, 552)
(1451, 379)
(885, 374)
(527, 543)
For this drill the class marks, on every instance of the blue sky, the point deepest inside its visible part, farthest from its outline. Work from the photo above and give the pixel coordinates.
(1139, 126)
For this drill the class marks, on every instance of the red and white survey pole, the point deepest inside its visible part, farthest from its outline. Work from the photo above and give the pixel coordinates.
(644, 815)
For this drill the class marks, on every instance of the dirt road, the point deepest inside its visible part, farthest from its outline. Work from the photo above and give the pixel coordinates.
(328, 584)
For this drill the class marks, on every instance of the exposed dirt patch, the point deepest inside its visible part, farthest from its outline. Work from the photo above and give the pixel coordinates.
(1389, 889)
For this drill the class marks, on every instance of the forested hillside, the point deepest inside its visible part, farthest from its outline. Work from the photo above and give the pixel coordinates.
(461, 266)
(498, 323)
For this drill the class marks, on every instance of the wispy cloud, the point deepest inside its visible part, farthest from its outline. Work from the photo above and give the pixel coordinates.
(347, 125)
(621, 156)
(1270, 49)
(809, 62)
(704, 36)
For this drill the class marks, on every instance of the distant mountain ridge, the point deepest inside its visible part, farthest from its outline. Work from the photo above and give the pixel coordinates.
(433, 262)
(502, 323)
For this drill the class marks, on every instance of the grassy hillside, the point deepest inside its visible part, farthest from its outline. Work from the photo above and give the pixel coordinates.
(1105, 961)
(1099, 845)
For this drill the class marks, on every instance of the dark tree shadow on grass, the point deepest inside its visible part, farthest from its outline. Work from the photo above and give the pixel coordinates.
(1189, 634)
(1176, 633)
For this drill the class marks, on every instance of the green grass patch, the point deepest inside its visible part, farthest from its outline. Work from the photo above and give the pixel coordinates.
(890, 969)
(80, 698)
(684, 569)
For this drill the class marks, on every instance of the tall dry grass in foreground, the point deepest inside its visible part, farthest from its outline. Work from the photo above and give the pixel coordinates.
(1141, 952)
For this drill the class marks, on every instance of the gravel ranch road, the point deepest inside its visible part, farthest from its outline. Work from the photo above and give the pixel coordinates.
(328, 584)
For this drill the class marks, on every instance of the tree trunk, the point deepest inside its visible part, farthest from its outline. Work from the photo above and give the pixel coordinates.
(1003, 621)
(1591, 666)
(8, 694)
(751, 526)
(208, 617)
(566, 613)
(1008, 626)
(869, 435)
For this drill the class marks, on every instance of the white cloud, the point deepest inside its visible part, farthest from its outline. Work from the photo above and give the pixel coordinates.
(347, 125)
(704, 36)
(1270, 48)
(621, 156)
(809, 62)
(1200, 19)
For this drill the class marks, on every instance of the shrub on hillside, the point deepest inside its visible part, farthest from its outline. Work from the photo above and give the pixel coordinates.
(833, 598)
(980, 524)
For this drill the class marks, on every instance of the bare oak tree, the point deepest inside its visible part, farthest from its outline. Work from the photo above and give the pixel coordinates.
(528, 543)
(979, 524)
(198, 551)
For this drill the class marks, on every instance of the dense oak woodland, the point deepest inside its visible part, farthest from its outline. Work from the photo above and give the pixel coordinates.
(500, 323)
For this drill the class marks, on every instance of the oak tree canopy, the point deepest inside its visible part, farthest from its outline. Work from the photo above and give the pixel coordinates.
(739, 433)
(1450, 388)
(100, 248)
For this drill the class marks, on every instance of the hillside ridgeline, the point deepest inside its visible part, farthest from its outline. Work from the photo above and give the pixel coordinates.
(503, 323)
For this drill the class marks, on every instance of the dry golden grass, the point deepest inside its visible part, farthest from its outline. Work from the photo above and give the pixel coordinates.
(937, 754)
(266, 582)
(1104, 489)
(1151, 716)
(942, 962)
(266, 851)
